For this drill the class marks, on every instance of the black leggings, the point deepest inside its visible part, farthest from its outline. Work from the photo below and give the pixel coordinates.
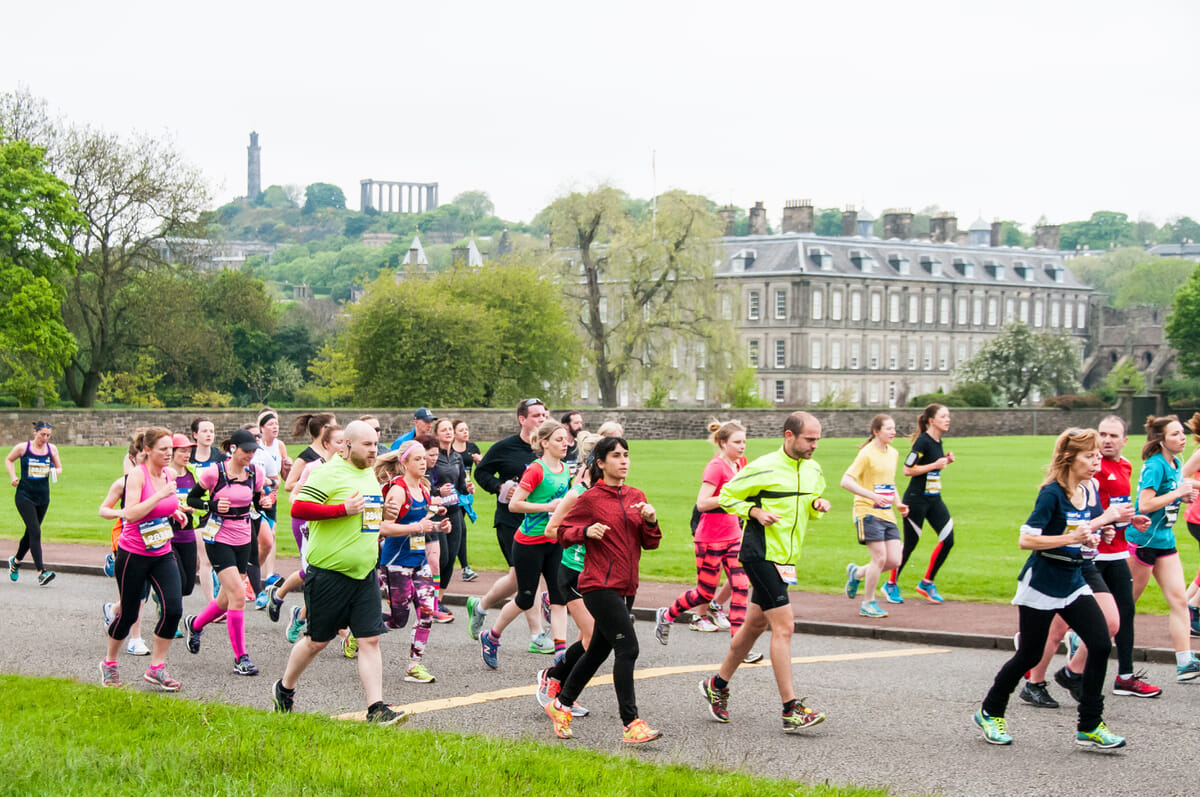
(185, 559)
(134, 572)
(613, 633)
(1116, 575)
(932, 510)
(1084, 616)
(451, 545)
(253, 571)
(31, 542)
(533, 563)
(462, 546)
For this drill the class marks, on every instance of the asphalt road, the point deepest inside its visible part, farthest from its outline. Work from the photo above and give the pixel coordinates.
(899, 716)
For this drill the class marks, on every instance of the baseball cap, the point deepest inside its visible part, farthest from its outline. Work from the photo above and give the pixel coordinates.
(244, 439)
(424, 414)
(181, 441)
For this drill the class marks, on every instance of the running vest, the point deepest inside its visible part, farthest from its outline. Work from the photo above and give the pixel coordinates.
(35, 475)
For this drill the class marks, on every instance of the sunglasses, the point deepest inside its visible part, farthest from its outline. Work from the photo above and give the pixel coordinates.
(533, 402)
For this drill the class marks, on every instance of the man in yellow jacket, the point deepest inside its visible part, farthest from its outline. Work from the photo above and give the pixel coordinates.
(777, 494)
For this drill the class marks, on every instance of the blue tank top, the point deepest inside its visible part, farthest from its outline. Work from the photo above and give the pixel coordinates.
(35, 475)
(406, 550)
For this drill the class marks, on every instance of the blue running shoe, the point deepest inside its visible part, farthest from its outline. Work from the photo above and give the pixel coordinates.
(295, 627)
(1101, 737)
(110, 565)
(260, 600)
(994, 728)
(13, 568)
(891, 591)
(1073, 644)
(927, 590)
(490, 647)
(1189, 671)
(871, 609)
(852, 581)
(216, 584)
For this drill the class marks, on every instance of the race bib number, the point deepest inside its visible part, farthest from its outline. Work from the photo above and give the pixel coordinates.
(38, 470)
(1172, 512)
(886, 492)
(372, 515)
(1075, 519)
(933, 482)
(210, 529)
(1119, 500)
(416, 542)
(787, 573)
(450, 500)
(155, 533)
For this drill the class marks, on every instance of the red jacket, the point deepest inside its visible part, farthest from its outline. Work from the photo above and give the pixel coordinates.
(611, 562)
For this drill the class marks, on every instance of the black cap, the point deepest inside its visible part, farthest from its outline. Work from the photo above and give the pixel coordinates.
(244, 439)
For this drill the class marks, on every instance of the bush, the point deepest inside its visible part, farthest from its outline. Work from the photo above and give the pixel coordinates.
(945, 399)
(9, 401)
(975, 394)
(211, 398)
(1072, 401)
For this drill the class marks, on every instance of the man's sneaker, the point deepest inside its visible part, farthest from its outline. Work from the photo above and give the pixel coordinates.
(1073, 644)
(546, 607)
(260, 600)
(469, 575)
(383, 714)
(994, 728)
(1189, 671)
(638, 732)
(109, 610)
(927, 590)
(1194, 617)
(561, 718)
(718, 615)
(891, 591)
(476, 616)
(274, 602)
(548, 688)
(716, 699)
(296, 626)
(490, 648)
(160, 678)
(800, 717)
(109, 676)
(137, 647)
(1072, 682)
(1135, 686)
(871, 609)
(417, 674)
(45, 577)
(541, 644)
(193, 634)
(753, 657)
(243, 666)
(662, 626)
(852, 581)
(284, 700)
(13, 567)
(1035, 694)
(702, 623)
(350, 646)
(1101, 737)
(443, 616)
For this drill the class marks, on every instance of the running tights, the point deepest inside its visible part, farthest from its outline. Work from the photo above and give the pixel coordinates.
(1116, 575)
(31, 542)
(710, 560)
(185, 559)
(451, 547)
(532, 563)
(613, 634)
(134, 572)
(938, 516)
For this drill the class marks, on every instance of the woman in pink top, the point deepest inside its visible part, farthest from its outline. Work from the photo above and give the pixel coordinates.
(143, 557)
(718, 537)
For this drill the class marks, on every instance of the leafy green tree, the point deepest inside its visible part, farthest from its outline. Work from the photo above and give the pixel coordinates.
(741, 390)
(275, 196)
(1183, 326)
(1018, 361)
(1131, 276)
(333, 375)
(323, 195)
(475, 204)
(1181, 229)
(828, 222)
(1105, 229)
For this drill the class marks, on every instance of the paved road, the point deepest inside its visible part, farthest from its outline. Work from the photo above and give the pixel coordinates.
(899, 714)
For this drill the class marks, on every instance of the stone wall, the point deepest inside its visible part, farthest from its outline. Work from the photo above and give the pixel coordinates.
(94, 427)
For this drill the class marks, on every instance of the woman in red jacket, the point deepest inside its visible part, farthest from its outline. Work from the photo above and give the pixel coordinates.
(614, 523)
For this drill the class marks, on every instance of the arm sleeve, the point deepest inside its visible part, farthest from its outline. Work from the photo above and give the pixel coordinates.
(311, 510)
(736, 492)
(485, 471)
(195, 498)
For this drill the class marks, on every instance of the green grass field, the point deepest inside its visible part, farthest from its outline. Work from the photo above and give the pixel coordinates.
(990, 490)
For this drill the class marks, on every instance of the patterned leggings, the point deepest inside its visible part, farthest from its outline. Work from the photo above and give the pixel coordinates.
(411, 585)
(710, 559)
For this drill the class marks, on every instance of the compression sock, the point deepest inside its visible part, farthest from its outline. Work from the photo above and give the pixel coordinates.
(209, 613)
(235, 621)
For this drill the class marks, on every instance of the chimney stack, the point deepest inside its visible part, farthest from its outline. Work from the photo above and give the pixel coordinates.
(943, 228)
(898, 224)
(997, 228)
(1045, 236)
(849, 222)
(727, 223)
(798, 216)
(758, 219)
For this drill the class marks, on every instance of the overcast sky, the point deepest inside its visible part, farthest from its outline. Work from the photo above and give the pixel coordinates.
(1003, 110)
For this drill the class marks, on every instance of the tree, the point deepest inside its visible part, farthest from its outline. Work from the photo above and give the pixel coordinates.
(1018, 361)
(37, 218)
(323, 195)
(1131, 276)
(275, 196)
(1183, 326)
(1182, 229)
(476, 204)
(1105, 229)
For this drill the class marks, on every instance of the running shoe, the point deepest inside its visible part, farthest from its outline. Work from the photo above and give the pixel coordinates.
(469, 575)
(800, 717)
(753, 657)
(871, 609)
(249, 589)
(274, 602)
(546, 607)
(350, 646)
(891, 591)
(1189, 671)
(561, 719)
(417, 674)
(1135, 686)
(1036, 694)
(243, 666)
(109, 610)
(994, 728)
(109, 676)
(13, 566)
(272, 579)
(260, 600)
(578, 711)
(548, 688)
(1073, 644)
(662, 626)
(1072, 682)
(927, 590)
(541, 644)
(638, 732)
(216, 583)
(490, 647)
(718, 615)
(703, 624)
(162, 679)
(1194, 616)
(137, 647)
(476, 615)
(716, 699)
(852, 581)
(193, 634)
(383, 714)
(443, 616)
(296, 626)
(284, 699)
(1101, 737)
(45, 577)
(110, 565)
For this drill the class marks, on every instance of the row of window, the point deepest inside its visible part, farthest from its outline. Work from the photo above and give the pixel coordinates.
(908, 355)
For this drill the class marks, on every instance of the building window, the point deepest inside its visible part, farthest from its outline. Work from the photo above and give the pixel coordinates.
(583, 391)
(855, 352)
(893, 356)
(855, 305)
(1039, 309)
(781, 304)
(753, 352)
(855, 393)
(927, 360)
(701, 354)
(894, 308)
(993, 311)
(779, 396)
(814, 354)
(977, 311)
(1081, 319)
(1024, 316)
(1068, 315)
(699, 390)
(891, 394)
(943, 356)
(962, 354)
(962, 311)
(873, 394)
(874, 355)
(944, 310)
(674, 355)
(1053, 315)
(814, 392)
(1010, 310)
(781, 354)
(876, 307)
(817, 309)
(603, 309)
(835, 354)
(929, 307)
(914, 309)
(623, 395)
(912, 355)
(752, 306)
(726, 307)
(835, 305)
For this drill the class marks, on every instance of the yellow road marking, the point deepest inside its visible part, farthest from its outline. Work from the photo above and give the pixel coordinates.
(475, 699)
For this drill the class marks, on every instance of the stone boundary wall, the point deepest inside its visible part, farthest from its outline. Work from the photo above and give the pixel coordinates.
(94, 427)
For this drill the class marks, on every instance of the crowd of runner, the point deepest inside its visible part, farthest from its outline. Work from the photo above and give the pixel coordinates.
(379, 529)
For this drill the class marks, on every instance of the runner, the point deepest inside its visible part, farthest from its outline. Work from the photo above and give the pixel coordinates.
(204, 455)
(614, 522)
(1059, 534)
(343, 505)
(572, 421)
(1193, 523)
(924, 465)
(498, 473)
(470, 457)
(273, 458)
(1160, 490)
(422, 422)
(872, 480)
(777, 494)
(112, 508)
(183, 539)
(449, 482)
(435, 541)
(535, 556)
(144, 558)
(40, 465)
(234, 486)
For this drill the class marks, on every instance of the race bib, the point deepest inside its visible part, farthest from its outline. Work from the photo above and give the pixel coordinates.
(38, 469)
(416, 542)
(1075, 519)
(933, 482)
(1172, 512)
(372, 514)
(155, 533)
(450, 500)
(1119, 500)
(209, 531)
(888, 492)
(787, 573)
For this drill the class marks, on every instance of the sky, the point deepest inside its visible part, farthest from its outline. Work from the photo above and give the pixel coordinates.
(1018, 110)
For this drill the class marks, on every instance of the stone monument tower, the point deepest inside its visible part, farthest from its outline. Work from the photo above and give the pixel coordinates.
(253, 168)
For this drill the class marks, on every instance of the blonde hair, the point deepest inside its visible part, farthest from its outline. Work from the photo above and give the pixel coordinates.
(1069, 445)
(720, 431)
(611, 429)
(543, 433)
(876, 426)
(388, 466)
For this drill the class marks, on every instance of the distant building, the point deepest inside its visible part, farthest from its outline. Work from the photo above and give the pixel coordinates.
(253, 168)
(397, 196)
(1188, 251)
(204, 254)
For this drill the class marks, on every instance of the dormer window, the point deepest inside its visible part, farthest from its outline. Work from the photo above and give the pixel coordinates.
(743, 260)
(900, 263)
(994, 269)
(862, 261)
(1053, 271)
(934, 267)
(1023, 271)
(821, 258)
(964, 267)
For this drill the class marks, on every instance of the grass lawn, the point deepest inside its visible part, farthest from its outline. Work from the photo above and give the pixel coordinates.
(990, 491)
